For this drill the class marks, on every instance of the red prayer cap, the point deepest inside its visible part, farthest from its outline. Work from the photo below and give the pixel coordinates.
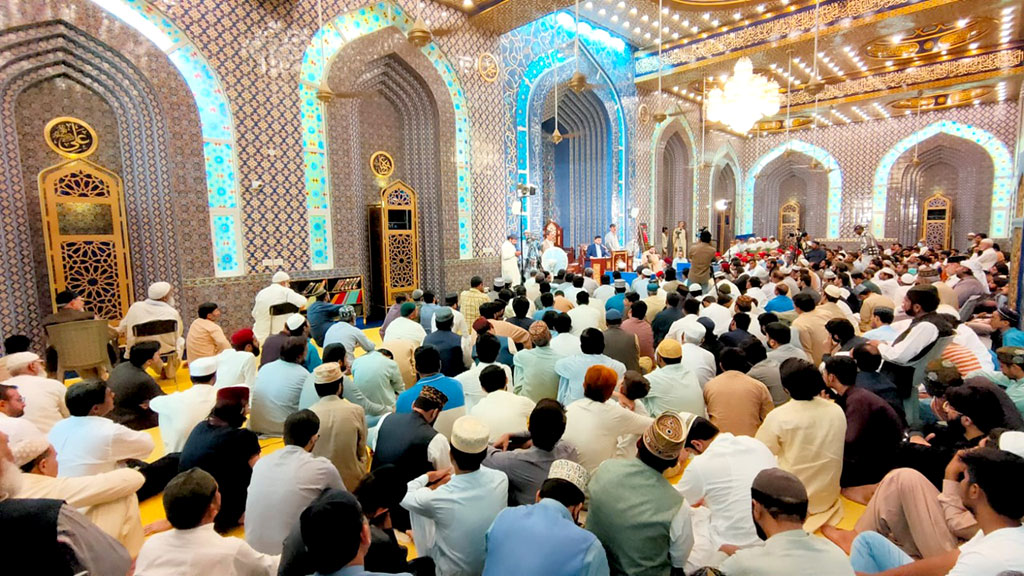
(602, 379)
(243, 336)
(233, 395)
(481, 324)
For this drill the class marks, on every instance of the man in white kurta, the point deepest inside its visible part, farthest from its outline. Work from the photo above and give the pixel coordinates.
(193, 547)
(44, 397)
(87, 443)
(107, 499)
(159, 305)
(407, 326)
(277, 293)
(181, 411)
(510, 262)
(237, 366)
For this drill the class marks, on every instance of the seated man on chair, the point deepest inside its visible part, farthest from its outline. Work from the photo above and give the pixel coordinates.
(159, 305)
(71, 308)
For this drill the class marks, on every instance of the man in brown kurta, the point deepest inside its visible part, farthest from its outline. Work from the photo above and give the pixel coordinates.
(736, 403)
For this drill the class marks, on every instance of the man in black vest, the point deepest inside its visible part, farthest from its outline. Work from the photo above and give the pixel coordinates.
(410, 443)
(926, 328)
(34, 525)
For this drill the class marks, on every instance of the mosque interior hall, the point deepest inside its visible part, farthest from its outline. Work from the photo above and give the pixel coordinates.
(193, 180)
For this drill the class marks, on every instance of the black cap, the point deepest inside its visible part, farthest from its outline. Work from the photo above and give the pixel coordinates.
(1010, 315)
(956, 259)
(65, 297)
(331, 528)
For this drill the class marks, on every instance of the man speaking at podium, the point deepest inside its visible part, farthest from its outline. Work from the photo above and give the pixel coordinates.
(598, 250)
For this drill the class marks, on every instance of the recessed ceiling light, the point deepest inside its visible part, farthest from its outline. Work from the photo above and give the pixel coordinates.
(675, 35)
(737, 16)
(632, 11)
(636, 30)
(675, 17)
(714, 22)
(615, 17)
(706, 16)
(601, 12)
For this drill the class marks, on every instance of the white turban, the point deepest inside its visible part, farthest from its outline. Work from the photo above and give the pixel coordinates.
(158, 290)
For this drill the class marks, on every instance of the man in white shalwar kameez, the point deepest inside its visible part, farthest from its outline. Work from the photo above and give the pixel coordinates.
(277, 293)
(159, 305)
(510, 262)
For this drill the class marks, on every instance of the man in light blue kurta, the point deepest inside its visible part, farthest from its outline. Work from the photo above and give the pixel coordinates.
(450, 523)
(345, 332)
(674, 386)
(534, 375)
(378, 378)
(547, 530)
(571, 370)
(277, 389)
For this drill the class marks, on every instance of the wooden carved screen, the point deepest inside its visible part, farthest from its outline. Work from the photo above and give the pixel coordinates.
(938, 219)
(789, 220)
(86, 236)
(399, 239)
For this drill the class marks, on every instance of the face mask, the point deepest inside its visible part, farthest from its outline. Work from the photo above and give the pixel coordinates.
(912, 271)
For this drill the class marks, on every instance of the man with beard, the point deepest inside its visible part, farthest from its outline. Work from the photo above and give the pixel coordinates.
(780, 509)
(48, 536)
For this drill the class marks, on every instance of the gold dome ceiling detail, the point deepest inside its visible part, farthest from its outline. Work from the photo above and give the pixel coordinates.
(943, 99)
(929, 40)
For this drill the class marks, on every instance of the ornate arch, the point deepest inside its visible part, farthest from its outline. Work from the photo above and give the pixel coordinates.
(835, 184)
(725, 156)
(335, 34)
(1002, 182)
(662, 132)
(216, 121)
(529, 100)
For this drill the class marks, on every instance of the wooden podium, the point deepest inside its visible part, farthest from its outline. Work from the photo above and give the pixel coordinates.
(600, 266)
(620, 256)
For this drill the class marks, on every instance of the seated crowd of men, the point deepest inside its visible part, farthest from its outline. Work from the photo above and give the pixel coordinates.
(534, 429)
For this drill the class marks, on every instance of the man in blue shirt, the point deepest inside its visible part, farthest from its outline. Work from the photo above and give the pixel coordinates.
(345, 332)
(428, 367)
(557, 545)
(547, 302)
(427, 310)
(320, 316)
(782, 302)
(572, 370)
(618, 301)
(1004, 322)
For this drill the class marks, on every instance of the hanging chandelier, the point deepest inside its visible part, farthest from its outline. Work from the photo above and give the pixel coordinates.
(744, 99)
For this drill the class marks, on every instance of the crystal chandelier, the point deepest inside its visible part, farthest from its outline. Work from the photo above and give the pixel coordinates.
(745, 98)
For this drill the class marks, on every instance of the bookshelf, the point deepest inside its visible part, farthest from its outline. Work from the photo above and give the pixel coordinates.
(340, 290)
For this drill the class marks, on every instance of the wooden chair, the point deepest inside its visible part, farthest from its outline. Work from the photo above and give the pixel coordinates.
(279, 313)
(79, 345)
(164, 332)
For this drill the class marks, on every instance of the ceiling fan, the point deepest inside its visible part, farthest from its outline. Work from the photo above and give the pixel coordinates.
(815, 85)
(556, 135)
(578, 82)
(420, 34)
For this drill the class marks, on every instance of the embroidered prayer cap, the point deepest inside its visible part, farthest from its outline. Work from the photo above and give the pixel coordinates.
(243, 336)
(202, 366)
(665, 437)
(1012, 441)
(346, 313)
(670, 349)
(444, 314)
(571, 472)
(833, 291)
(232, 395)
(280, 276)
(539, 332)
(1011, 355)
(928, 273)
(19, 360)
(295, 321)
(327, 372)
(28, 447)
(942, 371)
(470, 435)
(619, 283)
(1009, 314)
(499, 282)
(417, 294)
(407, 309)
(158, 290)
(434, 395)
(65, 297)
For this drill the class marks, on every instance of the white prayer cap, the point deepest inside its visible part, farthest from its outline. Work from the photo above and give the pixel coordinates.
(972, 265)
(888, 271)
(27, 448)
(947, 310)
(202, 366)
(19, 360)
(694, 333)
(295, 321)
(280, 276)
(646, 272)
(833, 291)
(785, 270)
(571, 472)
(804, 262)
(158, 290)
(908, 279)
(829, 275)
(1012, 441)
(621, 265)
(859, 266)
(470, 435)
(327, 373)
(845, 293)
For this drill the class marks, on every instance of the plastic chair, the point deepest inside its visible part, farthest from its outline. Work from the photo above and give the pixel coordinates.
(279, 313)
(165, 332)
(79, 345)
